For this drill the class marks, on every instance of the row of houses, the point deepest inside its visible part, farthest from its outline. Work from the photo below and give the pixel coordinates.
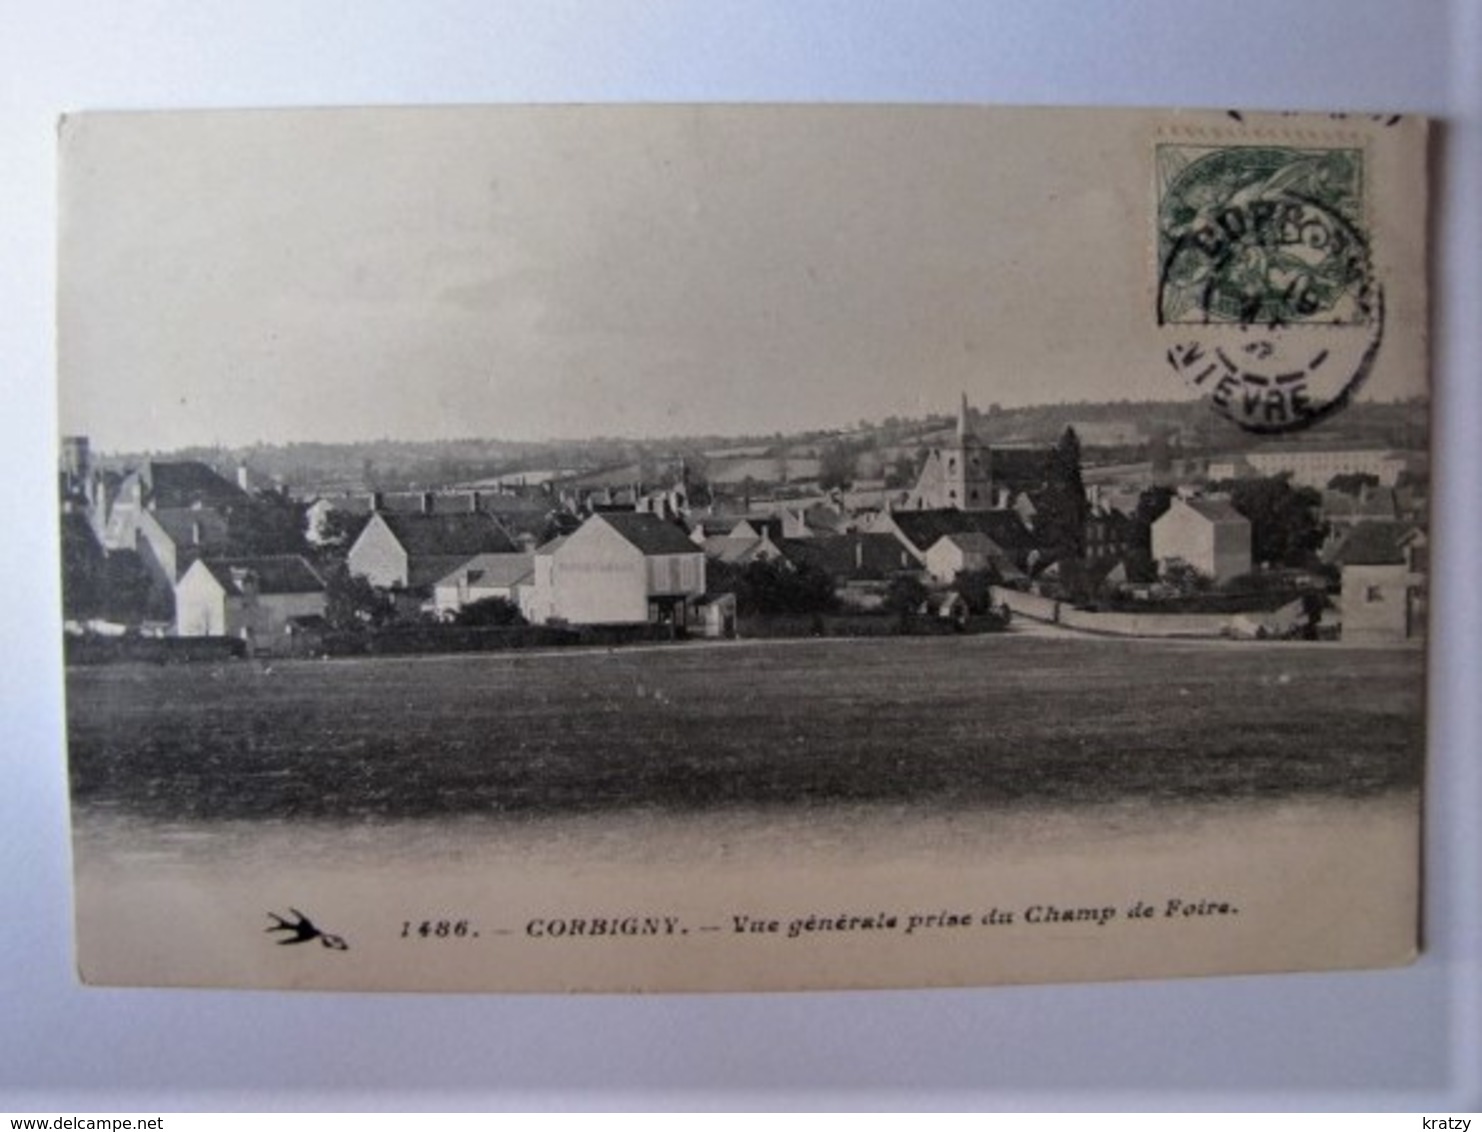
(648, 557)
(626, 568)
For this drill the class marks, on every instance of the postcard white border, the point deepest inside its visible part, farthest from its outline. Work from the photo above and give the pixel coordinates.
(1388, 1040)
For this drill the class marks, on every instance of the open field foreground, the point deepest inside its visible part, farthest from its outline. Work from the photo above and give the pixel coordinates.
(989, 721)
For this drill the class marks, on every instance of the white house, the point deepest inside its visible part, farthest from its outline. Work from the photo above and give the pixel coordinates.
(414, 551)
(619, 567)
(250, 598)
(967, 550)
(1207, 533)
(488, 575)
(1384, 571)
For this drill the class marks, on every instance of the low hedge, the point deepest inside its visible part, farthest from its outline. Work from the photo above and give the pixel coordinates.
(150, 650)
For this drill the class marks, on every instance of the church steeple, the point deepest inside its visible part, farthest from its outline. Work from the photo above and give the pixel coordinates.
(957, 475)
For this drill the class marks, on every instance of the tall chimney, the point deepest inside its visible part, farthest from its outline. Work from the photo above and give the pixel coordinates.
(377, 501)
(429, 502)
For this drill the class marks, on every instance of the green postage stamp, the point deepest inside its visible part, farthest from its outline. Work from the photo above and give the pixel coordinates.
(1262, 234)
(1267, 248)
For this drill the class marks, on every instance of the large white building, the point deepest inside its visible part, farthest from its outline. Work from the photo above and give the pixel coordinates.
(1312, 467)
(617, 568)
(1208, 534)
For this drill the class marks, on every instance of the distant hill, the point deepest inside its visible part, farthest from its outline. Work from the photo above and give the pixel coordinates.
(1111, 432)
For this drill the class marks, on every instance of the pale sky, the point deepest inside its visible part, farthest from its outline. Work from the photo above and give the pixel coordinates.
(566, 272)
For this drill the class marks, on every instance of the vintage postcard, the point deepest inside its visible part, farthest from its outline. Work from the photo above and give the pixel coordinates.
(678, 548)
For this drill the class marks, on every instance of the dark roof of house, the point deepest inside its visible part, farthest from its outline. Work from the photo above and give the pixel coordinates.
(492, 570)
(452, 502)
(973, 542)
(181, 483)
(1215, 510)
(1375, 542)
(425, 571)
(183, 523)
(275, 574)
(457, 535)
(534, 524)
(851, 557)
(713, 525)
(923, 528)
(649, 533)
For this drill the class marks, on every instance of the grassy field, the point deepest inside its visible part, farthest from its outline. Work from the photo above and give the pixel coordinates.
(984, 721)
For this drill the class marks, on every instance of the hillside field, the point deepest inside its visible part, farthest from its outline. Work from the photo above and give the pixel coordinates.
(994, 721)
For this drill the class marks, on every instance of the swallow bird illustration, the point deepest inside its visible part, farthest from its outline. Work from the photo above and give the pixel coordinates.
(303, 930)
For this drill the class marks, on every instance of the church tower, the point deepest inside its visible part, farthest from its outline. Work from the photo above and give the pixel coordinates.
(956, 475)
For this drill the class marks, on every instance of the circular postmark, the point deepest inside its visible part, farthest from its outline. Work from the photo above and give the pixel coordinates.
(1266, 287)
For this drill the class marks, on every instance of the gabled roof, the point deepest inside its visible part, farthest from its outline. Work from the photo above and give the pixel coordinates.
(923, 528)
(274, 574)
(181, 524)
(649, 533)
(725, 548)
(713, 526)
(492, 570)
(424, 571)
(183, 482)
(528, 523)
(1374, 542)
(459, 535)
(1215, 510)
(851, 557)
(971, 542)
(762, 524)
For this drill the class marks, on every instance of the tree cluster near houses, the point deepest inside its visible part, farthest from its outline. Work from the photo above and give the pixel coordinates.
(175, 546)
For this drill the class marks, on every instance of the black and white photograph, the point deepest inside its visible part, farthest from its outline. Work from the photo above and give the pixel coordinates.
(719, 548)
